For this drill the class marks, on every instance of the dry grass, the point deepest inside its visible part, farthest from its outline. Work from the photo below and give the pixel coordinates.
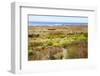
(50, 42)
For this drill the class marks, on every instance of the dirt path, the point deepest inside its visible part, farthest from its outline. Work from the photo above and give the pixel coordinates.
(65, 53)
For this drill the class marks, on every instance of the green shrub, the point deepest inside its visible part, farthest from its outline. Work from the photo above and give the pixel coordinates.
(50, 43)
(30, 53)
(56, 44)
(61, 36)
(36, 43)
(82, 37)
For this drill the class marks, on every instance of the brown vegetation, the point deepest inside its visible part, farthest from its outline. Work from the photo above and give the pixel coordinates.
(55, 42)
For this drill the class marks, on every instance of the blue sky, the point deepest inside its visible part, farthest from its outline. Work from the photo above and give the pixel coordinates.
(56, 20)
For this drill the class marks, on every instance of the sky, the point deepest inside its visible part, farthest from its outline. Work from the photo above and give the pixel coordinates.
(34, 20)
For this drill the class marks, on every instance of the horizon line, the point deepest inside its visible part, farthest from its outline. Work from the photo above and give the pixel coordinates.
(54, 23)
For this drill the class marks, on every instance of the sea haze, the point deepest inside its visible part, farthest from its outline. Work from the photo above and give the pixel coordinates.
(56, 20)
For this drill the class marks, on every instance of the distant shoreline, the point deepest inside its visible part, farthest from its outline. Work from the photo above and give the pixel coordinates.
(55, 24)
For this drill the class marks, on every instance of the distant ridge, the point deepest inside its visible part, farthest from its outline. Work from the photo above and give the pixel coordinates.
(55, 24)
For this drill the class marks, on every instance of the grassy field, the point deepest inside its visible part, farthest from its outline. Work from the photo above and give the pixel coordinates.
(57, 42)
